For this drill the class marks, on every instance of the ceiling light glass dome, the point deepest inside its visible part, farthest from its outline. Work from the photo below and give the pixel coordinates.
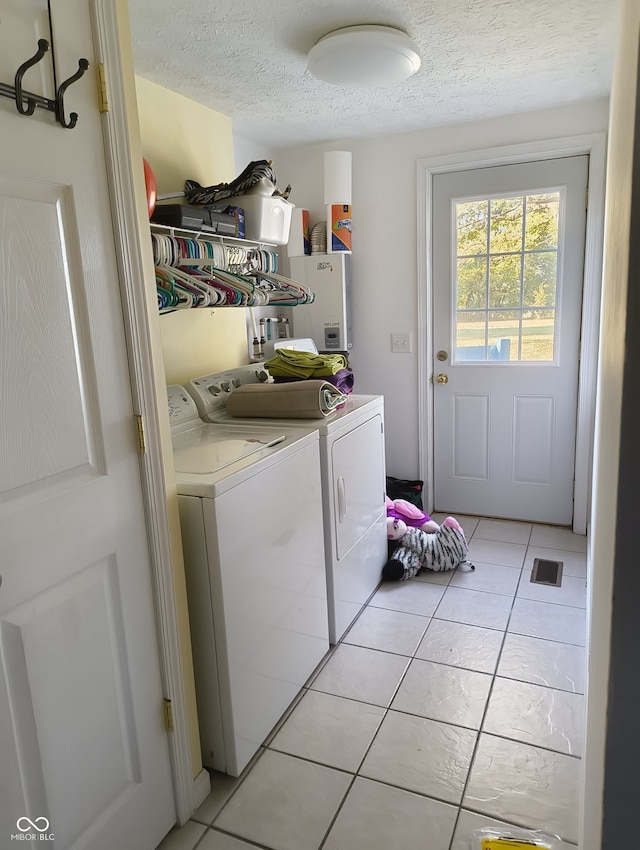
(364, 56)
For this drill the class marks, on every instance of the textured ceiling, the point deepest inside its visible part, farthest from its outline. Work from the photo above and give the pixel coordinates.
(480, 58)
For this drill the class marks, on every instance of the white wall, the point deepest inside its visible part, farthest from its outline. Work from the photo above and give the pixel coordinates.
(246, 151)
(194, 342)
(385, 242)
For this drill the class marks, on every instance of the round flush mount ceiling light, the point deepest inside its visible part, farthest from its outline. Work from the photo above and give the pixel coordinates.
(364, 56)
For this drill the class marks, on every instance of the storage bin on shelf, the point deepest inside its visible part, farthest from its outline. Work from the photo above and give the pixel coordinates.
(267, 218)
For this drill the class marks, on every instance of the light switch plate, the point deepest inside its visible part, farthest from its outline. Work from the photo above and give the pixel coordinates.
(401, 343)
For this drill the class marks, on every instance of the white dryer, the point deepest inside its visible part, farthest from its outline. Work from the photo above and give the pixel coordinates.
(353, 486)
(255, 573)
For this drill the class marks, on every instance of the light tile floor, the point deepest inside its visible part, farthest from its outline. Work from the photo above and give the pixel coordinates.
(455, 701)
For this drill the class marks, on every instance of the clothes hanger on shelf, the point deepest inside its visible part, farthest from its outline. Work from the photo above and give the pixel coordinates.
(205, 274)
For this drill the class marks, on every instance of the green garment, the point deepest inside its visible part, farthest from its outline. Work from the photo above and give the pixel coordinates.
(289, 363)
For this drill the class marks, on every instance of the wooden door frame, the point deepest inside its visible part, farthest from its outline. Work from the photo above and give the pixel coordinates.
(595, 146)
(137, 302)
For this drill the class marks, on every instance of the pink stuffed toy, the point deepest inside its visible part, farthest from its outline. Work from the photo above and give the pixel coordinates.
(444, 550)
(402, 514)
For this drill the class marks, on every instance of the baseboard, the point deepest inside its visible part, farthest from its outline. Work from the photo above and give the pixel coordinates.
(201, 788)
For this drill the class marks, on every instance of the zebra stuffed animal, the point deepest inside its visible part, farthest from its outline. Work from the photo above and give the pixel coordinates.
(444, 549)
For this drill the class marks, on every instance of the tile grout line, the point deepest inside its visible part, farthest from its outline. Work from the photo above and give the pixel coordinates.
(384, 716)
(337, 812)
(486, 707)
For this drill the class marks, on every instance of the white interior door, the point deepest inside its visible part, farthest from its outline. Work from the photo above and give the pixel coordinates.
(508, 250)
(83, 750)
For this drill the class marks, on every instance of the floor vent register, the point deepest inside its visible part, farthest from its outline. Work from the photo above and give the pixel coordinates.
(547, 572)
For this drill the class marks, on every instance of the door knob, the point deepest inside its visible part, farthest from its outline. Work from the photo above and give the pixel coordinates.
(442, 378)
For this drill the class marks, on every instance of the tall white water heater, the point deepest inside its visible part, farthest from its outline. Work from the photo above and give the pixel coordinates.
(327, 321)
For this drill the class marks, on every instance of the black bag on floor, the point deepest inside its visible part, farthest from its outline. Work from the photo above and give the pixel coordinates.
(403, 488)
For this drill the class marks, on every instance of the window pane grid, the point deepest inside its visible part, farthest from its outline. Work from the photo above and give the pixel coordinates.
(534, 251)
(506, 284)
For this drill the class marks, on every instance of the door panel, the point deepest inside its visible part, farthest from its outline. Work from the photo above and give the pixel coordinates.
(82, 738)
(508, 264)
(57, 707)
(533, 435)
(47, 368)
(471, 428)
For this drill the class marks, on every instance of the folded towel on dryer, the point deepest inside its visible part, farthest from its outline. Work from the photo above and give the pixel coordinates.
(289, 362)
(298, 400)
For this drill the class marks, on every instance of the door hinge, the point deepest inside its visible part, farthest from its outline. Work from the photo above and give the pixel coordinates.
(142, 448)
(103, 101)
(167, 707)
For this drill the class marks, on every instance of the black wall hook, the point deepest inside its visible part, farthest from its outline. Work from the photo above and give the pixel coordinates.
(26, 101)
(73, 117)
(30, 107)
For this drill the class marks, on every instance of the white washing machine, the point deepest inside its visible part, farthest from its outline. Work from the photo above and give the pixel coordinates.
(251, 515)
(353, 486)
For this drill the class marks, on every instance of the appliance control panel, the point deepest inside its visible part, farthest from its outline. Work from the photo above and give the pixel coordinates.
(182, 408)
(211, 391)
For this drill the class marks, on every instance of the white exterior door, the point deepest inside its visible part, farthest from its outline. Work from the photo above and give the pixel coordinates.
(508, 250)
(83, 750)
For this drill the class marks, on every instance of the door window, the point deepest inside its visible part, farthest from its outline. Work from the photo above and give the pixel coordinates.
(506, 277)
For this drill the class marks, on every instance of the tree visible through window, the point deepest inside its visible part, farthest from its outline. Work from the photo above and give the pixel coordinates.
(506, 277)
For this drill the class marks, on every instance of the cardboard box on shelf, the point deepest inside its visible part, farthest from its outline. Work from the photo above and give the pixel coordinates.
(228, 215)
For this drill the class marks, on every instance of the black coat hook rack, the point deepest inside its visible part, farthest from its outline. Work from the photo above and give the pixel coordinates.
(26, 102)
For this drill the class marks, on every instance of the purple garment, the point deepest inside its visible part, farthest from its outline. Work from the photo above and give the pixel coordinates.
(342, 380)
